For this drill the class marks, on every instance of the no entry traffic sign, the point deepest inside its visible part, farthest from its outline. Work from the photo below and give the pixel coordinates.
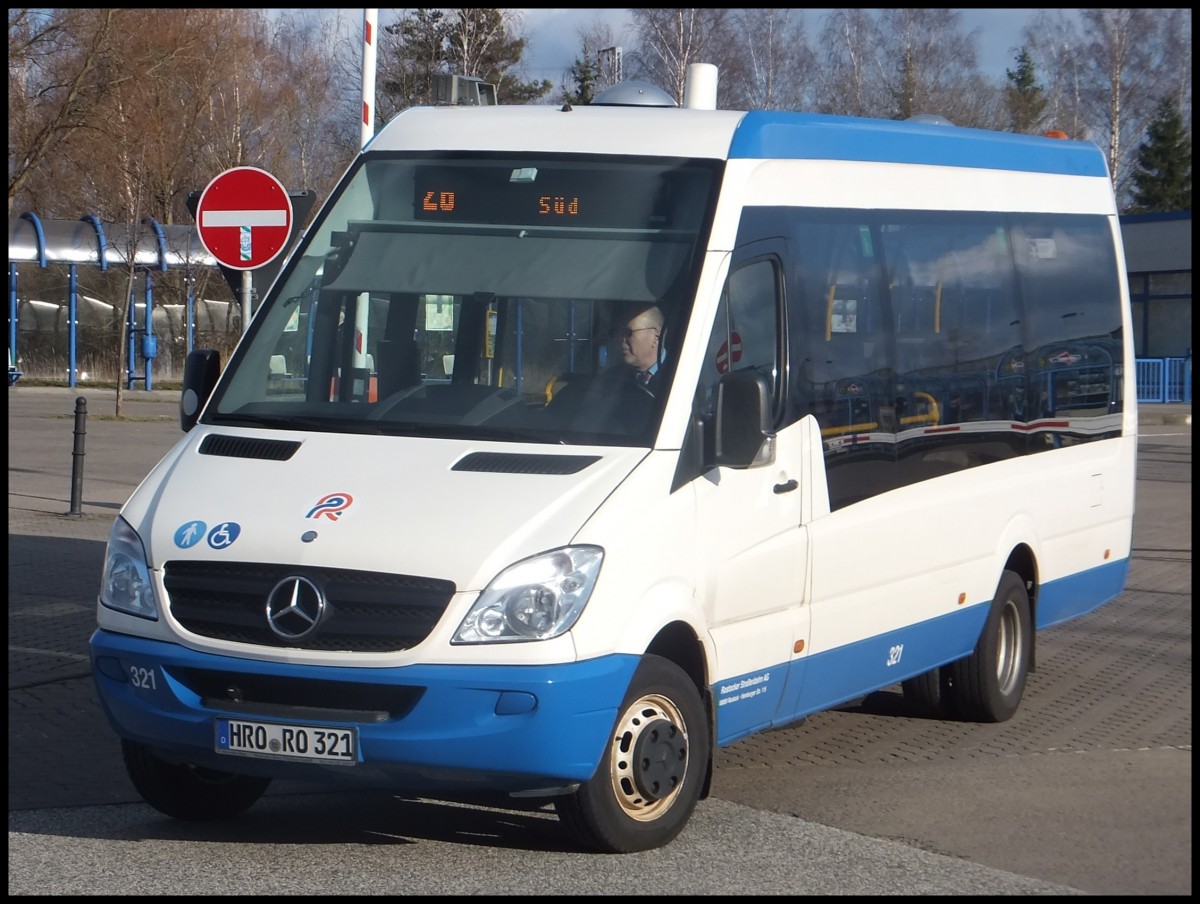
(244, 218)
(729, 352)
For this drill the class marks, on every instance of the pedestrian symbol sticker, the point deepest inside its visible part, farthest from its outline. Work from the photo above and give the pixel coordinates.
(190, 534)
(331, 506)
(224, 534)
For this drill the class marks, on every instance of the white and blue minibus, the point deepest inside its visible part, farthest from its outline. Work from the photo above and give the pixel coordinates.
(419, 533)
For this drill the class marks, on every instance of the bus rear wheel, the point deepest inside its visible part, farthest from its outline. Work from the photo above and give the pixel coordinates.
(188, 792)
(652, 772)
(927, 695)
(987, 685)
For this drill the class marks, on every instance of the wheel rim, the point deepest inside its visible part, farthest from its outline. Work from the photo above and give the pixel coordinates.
(1009, 648)
(649, 756)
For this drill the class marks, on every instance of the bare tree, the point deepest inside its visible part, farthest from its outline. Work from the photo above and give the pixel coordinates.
(1124, 57)
(206, 89)
(927, 62)
(54, 92)
(343, 45)
(127, 130)
(474, 34)
(673, 39)
(1054, 46)
(850, 67)
(1177, 58)
(896, 63)
(131, 163)
(316, 126)
(777, 68)
(1107, 76)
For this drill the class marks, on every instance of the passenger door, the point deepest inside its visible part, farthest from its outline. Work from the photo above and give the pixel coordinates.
(752, 542)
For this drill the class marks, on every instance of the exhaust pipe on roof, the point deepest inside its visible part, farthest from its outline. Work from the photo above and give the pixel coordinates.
(700, 89)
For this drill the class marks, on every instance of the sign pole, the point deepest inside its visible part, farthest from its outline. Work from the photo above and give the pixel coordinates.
(247, 292)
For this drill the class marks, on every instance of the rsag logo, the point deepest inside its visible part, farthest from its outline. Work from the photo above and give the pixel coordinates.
(331, 506)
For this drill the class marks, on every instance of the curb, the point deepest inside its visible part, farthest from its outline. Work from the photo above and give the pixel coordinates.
(1153, 418)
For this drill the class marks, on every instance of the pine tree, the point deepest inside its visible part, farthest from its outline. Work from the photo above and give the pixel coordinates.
(584, 75)
(1163, 178)
(1024, 99)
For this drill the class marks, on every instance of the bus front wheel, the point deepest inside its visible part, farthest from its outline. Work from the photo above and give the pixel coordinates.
(653, 768)
(987, 685)
(188, 792)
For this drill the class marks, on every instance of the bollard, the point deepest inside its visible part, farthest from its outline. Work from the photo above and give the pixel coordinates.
(77, 456)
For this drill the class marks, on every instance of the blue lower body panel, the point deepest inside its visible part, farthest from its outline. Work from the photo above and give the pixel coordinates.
(460, 728)
(1079, 594)
(816, 683)
(788, 691)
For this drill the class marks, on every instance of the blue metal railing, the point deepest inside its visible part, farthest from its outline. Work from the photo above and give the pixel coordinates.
(1164, 379)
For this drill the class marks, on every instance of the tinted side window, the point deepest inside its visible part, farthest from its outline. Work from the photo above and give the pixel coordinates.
(957, 319)
(746, 332)
(925, 342)
(1070, 287)
(845, 367)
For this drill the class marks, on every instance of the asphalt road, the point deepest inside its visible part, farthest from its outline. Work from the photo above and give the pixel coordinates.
(1086, 790)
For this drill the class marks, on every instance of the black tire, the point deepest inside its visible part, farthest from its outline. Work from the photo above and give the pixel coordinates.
(987, 685)
(926, 694)
(653, 768)
(189, 792)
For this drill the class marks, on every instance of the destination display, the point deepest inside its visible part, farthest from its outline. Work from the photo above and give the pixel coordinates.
(623, 198)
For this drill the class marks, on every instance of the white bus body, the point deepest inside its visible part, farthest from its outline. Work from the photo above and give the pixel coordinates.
(418, 535)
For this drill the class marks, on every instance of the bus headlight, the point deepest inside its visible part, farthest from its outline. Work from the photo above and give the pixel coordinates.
(125, 584)
(536, 599)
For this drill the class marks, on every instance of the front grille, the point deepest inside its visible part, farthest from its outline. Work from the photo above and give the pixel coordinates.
(303, 698)
(366, 611)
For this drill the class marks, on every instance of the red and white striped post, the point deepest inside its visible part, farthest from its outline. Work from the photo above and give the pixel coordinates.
(370, 28)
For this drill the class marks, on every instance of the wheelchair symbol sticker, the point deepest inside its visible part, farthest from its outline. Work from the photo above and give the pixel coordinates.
(223, 534)
(190, 534)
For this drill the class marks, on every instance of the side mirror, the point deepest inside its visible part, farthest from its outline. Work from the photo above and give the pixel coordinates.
(744, 438)
(200, 373)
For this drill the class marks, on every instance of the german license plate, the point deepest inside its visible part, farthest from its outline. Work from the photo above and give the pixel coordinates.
(272, 740)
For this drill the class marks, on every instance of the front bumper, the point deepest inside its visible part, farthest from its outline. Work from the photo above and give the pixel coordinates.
(452, 727)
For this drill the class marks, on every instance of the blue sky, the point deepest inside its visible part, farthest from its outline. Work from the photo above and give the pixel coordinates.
(554, 40)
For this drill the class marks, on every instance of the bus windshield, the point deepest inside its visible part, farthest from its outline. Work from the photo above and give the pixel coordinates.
(480, 296)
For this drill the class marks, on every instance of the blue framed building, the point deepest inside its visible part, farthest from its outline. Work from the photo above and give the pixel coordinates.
(1158, 258)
